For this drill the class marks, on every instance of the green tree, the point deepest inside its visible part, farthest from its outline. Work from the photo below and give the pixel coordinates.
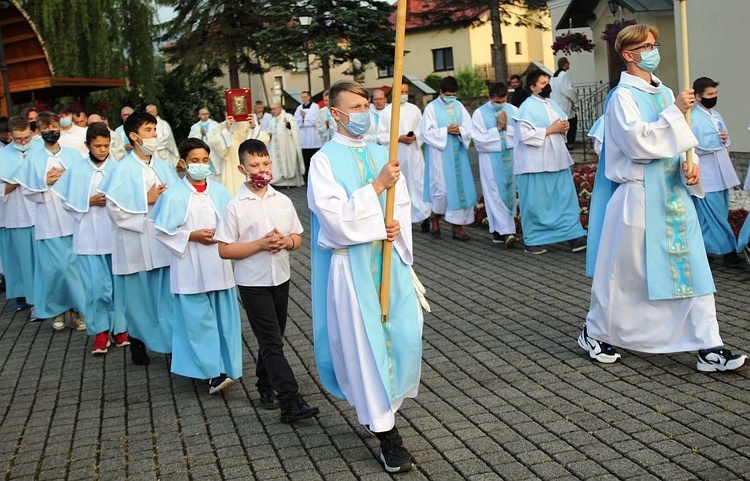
(211, 34)
(470, 83)
(354, 32)
(456, 14)
(99, 39)
(185, 90)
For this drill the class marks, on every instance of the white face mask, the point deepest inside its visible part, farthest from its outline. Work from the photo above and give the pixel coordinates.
(404, 99)
(149, 146)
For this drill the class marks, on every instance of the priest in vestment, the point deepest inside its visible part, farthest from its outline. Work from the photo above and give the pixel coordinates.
(653, 288)
(287, 164)
(409, 153)
(167, 150)
(209, 131)
(449, 182)
(233, 134)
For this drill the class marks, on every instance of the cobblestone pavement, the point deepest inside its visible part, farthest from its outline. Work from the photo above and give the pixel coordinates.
(506, 393)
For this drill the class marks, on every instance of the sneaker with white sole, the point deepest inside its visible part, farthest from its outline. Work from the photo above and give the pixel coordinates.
(219, 383)
(79, 324)
(601, 351)
(58, 323)
(393, 454)
(101, 343)
(32, 315)
(712, 360)
(536, 250)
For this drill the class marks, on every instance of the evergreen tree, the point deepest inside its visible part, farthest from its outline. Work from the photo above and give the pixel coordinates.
(211, 34)
(354, 32)
(185, 90)
(455, 14)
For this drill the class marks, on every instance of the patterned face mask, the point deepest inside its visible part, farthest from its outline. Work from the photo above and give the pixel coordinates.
(258, 180)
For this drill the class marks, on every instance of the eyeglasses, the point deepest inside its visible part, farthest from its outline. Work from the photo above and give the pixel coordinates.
(645, 48)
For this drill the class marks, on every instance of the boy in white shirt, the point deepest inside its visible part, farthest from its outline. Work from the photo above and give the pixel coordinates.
(207, 339)
(258, 229)
(58, 287)
(139, 262)
(92, 237)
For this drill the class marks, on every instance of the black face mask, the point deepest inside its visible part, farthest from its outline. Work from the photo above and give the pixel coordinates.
(51, 136)
(709, 103)
(546, 92)
(32, 125)
(5, 142)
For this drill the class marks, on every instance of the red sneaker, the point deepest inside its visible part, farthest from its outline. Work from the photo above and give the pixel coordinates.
(121, 339)
(101, 343)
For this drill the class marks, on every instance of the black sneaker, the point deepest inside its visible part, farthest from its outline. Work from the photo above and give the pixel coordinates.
(497, 238)
(138, 352)
(578, 245)
(425, 226)
(733, 260)
(393, 454)
(297, 410)
(712, 360)
(536, 250)
(601, 351)
(268, 400)
(509, 240)
(219, 383)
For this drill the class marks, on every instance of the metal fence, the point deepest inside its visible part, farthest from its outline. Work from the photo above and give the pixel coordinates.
(590, 106)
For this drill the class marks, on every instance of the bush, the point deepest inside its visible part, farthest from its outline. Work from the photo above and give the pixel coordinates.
(470, 83)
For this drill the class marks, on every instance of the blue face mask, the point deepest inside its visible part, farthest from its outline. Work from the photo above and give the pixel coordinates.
(359, 123)
(199, 171)
(650, 60)
(23, 148)
(449, 99)
(496, 106)
(66, 122)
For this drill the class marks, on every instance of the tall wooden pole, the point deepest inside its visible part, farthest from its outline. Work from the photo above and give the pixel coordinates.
(390, 199)
(685, 70)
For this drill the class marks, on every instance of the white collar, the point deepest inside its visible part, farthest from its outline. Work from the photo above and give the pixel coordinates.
(246, 193)
(640, 84)
(348, 141)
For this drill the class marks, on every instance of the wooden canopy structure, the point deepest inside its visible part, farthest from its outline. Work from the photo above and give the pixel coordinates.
(30, 73)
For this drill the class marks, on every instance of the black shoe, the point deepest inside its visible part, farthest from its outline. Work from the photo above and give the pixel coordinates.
(138, 352)
(268, 400)
(2, 283)
(733, 260)
(578, 245)
(509, 240)
(393, 454)
(497, 238)
(297, 410)
(435, 228)
(219, 383)
(425, 226)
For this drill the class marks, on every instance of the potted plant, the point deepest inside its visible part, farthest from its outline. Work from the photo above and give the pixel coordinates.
(572, 43)
(610, 32)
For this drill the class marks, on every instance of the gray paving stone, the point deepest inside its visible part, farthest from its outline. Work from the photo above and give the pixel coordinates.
(505, 393)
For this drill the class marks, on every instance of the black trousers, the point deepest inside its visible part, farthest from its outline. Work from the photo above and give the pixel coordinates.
(266, 309)
(573, 130)
(306, 156)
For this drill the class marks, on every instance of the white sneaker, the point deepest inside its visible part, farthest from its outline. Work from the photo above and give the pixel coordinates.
(58, 323)
(78, 322)
(601, 351)
(719, 360)
(32, 315)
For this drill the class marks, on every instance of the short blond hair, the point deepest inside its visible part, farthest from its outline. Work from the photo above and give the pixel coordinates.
(633, 34)
(346, 86)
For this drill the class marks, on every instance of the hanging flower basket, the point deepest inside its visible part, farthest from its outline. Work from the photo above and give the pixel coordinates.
(572, 43)
(610, 32)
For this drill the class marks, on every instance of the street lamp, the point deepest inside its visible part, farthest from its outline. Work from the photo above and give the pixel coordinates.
(613, 5)
(305, 20)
